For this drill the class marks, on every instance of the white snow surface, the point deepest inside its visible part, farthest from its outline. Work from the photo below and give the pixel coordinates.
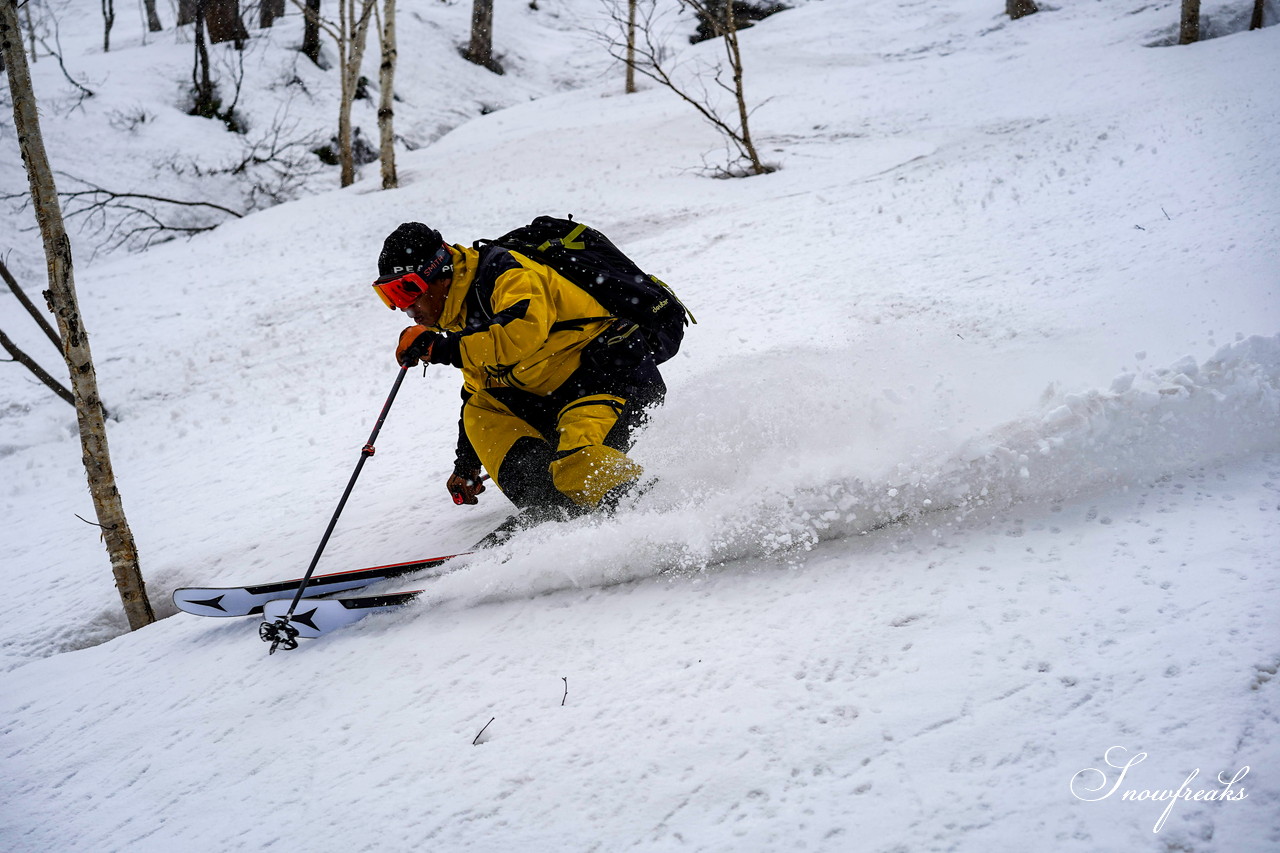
(967, 483)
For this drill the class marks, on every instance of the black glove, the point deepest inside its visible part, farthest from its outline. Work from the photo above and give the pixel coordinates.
(465, 486)
(447, 349)
(415, 344)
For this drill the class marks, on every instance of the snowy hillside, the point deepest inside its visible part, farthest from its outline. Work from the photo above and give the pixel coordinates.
(969, 475)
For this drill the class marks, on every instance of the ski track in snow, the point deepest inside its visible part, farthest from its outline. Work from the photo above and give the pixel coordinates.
(913, 559)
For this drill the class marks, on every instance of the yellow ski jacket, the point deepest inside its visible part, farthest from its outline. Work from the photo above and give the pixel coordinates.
(515, 322)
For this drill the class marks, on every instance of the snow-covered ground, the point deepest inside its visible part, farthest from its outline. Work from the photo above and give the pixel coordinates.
(1013, 288)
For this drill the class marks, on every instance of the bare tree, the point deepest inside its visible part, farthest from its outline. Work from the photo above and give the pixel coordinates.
(311, 30)
(204, 95)
(386, 96)
(31, 33)
(647, 55)
(61, 297)
(108, 21)
(268, 11)
(1016, 9)
(132, 219)
(480, 49)
(1255, 22)
(56, 52)
(153, 17)
(273, 165)
(1189, 26)
(630, 59)
(222, 19)
(349, 34)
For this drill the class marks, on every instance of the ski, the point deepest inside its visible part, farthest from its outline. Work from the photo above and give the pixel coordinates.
(317, 617)
(249, 600)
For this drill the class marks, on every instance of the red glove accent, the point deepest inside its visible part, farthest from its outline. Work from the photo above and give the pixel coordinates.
(465, 487)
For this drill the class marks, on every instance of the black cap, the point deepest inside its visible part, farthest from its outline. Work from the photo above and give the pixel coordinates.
(408, 249)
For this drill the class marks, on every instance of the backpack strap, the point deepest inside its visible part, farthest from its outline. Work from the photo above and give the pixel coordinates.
(568, 241)
(482, 283)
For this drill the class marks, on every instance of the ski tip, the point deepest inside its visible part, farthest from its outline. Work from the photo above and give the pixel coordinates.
(210, 602)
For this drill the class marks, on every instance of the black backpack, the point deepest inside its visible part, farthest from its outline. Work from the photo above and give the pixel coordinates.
(590, 260)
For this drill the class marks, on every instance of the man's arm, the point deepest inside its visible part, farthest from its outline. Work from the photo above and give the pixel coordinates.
(521, 319)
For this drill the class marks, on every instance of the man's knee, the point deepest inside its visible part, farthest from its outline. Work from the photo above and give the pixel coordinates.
(588, 474)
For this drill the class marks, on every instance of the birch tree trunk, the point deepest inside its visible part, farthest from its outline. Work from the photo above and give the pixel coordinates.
(75, 342)
(387, 93)
(31, 35)
(631, 47)
(735, 66)
(353, 26)
(349, 34)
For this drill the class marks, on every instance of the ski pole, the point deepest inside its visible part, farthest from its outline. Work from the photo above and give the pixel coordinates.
(280, 634)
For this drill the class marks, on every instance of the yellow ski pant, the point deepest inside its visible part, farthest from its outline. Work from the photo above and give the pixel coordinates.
(578, 443)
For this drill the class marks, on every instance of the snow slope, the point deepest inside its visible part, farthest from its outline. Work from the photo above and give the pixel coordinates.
(968, 474)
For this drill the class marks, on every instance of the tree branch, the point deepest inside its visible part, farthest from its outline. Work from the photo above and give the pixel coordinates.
(30, 306)
(26, 361)
(111, 195)
(94, 203)
(85, 92)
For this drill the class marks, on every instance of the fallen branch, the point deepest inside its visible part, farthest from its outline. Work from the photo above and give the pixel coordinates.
(486, 725)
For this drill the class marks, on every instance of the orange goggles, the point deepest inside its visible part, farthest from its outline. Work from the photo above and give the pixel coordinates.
(400, 291)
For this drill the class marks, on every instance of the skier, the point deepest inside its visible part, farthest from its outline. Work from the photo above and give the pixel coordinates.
(553, 384)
